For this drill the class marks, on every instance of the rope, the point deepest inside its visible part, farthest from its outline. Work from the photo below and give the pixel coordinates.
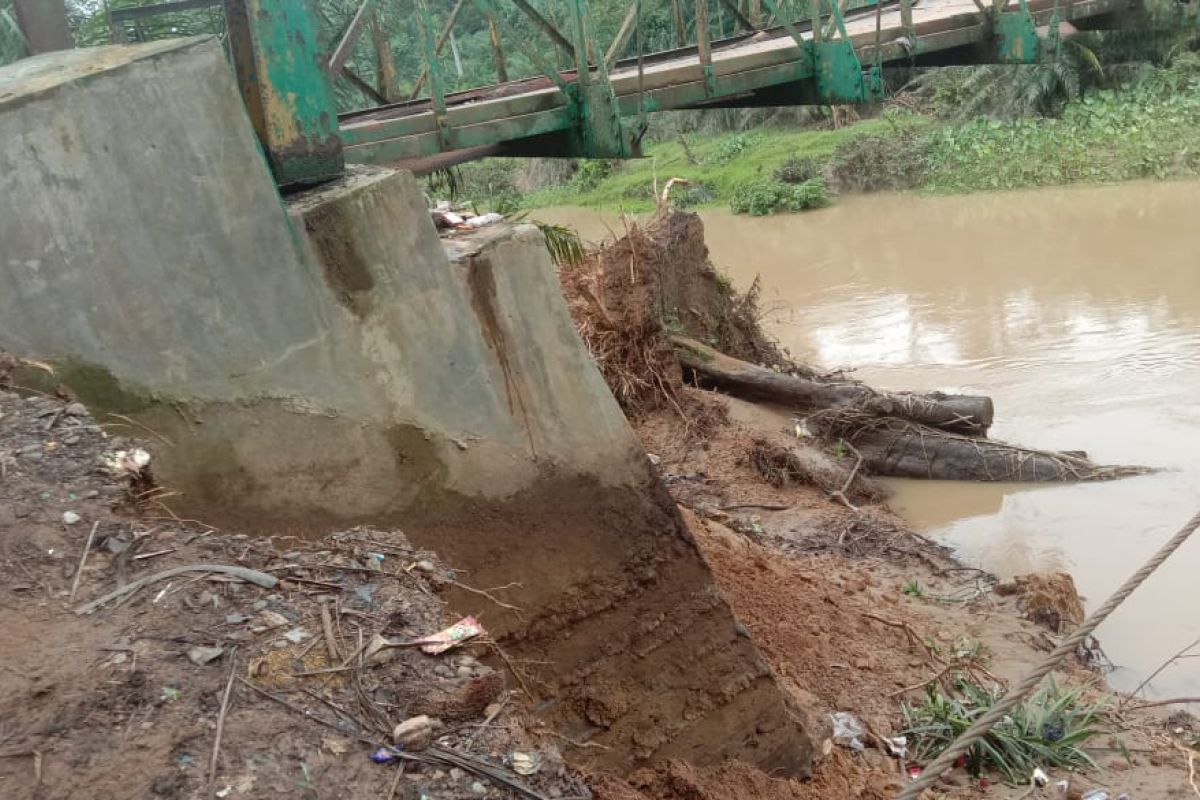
(977, 731)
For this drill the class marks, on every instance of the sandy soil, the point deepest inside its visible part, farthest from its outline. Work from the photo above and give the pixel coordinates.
(821, 589)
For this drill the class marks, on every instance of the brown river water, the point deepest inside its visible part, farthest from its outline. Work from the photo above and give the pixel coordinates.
(1076, 309)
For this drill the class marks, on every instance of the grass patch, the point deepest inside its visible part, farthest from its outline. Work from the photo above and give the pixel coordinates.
(1048, 730)
(718, 164)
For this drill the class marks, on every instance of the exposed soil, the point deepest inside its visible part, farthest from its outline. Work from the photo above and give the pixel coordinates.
(110, 705)
(851, 611)
(854, 611)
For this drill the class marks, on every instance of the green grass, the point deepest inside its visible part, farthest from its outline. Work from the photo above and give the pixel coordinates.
(722, 166)
(1049, 729)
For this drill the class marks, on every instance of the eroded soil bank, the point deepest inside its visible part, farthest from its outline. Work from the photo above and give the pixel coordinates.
(851, 611)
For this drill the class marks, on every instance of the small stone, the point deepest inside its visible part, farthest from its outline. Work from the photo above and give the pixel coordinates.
(203, 655)
(272, 619)
(465, 672)
(70, 518)
(91, 494)
(426, 566)
(259, 605)
(478, 789)
(415, 733)
(468, 661)
(296, 635)
(115, 545)
(457, 774)
(70, 440)
(236, 619)
(76, 410)
(207, 598)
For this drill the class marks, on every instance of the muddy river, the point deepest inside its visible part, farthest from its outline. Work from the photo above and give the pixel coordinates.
(1077, 310)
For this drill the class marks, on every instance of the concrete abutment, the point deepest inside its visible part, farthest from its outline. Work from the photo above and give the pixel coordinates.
(329, 361)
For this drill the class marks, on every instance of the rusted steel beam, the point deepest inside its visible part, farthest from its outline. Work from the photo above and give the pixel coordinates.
(343, 50)
(285, 89)
(43, 23)
(622, 38)
(443, 37)
(141, 12)
(546, 25)
(497, 49)
(741, 19)
(680, 25)
(362, 85)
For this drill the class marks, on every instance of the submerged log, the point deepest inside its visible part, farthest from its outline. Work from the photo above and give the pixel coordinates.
(969, 414)
(903, 449)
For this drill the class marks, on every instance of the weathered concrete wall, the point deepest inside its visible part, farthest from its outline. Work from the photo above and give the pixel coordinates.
(329, 361)
(199, 289)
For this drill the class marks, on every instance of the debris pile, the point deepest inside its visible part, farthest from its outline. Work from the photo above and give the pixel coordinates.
(223, 664)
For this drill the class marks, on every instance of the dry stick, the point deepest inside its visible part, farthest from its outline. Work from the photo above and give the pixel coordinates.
(251, 575)
(1172, 701)
(87, 547)
(396, 781)
(487, 593)
(331, 644)
(841, 493)
(1161, 667)
(216, 751)
(984, 724)
(1191, 761)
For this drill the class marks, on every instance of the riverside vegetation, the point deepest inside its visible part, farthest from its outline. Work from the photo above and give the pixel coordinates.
(1113, 107)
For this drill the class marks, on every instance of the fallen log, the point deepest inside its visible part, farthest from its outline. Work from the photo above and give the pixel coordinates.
(904, 449)
(968, 414)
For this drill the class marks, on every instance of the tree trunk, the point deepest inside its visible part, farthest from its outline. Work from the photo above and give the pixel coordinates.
(960, 413)
(902, 449)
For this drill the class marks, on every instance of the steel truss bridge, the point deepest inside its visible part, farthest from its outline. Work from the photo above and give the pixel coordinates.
(597, 108)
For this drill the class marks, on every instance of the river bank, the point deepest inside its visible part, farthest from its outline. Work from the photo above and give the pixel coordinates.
(1147, 126)
(1074, 308)
(845, 599)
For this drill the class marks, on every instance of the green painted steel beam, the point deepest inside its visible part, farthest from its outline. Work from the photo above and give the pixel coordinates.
(285, 88)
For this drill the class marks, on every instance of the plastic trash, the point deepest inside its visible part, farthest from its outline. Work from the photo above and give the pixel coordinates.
(466, 628)
(525, 763)
(1096, 794)
(383, 755)
(491, 218)
(897, 746)
(70, 518)
(847, 730)
(1040, 778)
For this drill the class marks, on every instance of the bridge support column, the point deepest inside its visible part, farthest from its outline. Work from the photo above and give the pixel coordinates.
(285, 88)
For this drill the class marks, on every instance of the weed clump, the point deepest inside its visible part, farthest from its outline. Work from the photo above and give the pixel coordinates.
(1049, 729)
(759, 198)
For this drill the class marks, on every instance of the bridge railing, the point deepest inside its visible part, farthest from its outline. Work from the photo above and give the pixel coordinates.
(300, 62)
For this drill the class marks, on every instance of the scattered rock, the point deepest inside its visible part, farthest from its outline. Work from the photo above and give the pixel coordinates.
(70, 518)
(415, 733)
(203, 655)
(272, 619)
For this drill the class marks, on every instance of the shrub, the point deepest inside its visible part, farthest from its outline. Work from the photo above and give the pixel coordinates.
(798, 170)
(893, 160)
(761, 197)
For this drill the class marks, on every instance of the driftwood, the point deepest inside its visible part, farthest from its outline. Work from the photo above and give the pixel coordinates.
(904, 449)
(969, 414)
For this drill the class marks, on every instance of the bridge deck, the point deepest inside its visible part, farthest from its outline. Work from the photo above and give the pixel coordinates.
(674, 80)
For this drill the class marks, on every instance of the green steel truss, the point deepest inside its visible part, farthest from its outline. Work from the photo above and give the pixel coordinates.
(597, 107)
